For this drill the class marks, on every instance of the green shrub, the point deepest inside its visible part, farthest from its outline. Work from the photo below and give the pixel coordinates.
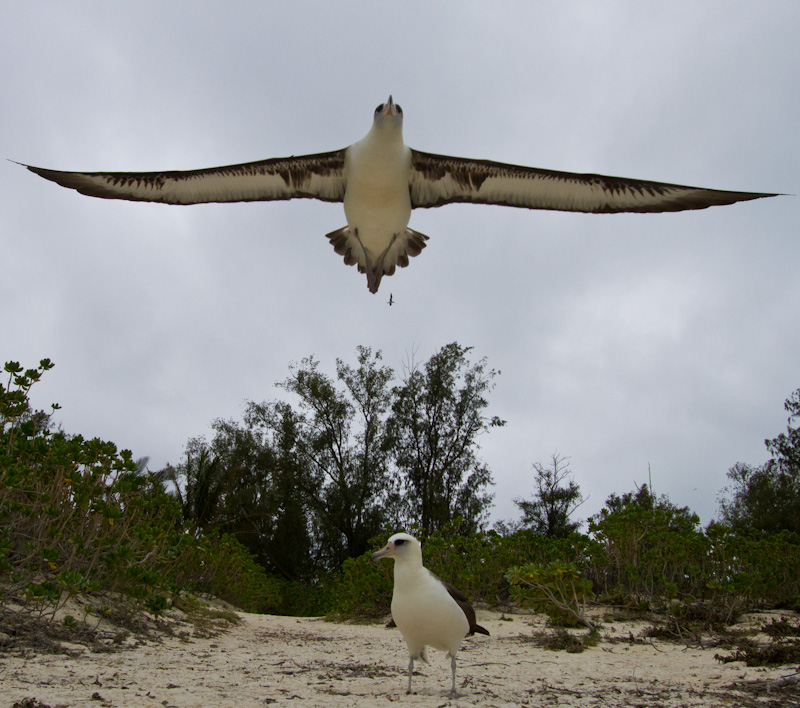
(475, 563)
(78, 516)
(363, 589)
(556, 589)
(219, 565)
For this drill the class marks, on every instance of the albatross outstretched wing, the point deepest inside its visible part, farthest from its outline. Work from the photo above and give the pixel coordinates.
(318, 176)
(437, 179)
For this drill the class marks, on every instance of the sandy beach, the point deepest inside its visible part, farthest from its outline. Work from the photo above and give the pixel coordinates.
(269, 660)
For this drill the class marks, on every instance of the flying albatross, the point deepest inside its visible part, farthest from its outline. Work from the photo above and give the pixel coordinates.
(380, 180)
(426, 610)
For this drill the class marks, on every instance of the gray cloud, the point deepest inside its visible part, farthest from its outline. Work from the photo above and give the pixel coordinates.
(624, 341)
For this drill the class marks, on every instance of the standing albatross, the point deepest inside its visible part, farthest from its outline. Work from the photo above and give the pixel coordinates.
(380, 180)
(426, 610)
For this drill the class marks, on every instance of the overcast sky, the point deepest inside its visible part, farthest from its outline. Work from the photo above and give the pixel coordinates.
(626, 342)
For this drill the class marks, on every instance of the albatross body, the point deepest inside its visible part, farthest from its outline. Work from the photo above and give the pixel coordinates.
(426, 610)
(380, 180)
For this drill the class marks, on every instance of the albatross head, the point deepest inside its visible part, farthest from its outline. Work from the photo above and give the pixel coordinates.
(402, 547)
(388, 115)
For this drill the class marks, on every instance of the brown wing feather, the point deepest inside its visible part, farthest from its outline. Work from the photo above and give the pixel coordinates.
(319, 176)
(439, 179)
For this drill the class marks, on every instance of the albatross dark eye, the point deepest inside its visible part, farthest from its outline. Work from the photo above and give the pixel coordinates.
(399, 542)
(379, 108)
(399, 110)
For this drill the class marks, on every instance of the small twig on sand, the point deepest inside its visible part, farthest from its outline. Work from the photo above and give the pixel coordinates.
(548, 687)
(490, 663)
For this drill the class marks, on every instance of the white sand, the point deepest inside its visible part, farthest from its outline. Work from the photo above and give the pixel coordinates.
(269, 660)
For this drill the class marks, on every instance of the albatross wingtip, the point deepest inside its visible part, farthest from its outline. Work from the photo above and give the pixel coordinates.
(22, 164)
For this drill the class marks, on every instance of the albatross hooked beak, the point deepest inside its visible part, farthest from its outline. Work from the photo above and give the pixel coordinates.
(388, 549)
(389, 108)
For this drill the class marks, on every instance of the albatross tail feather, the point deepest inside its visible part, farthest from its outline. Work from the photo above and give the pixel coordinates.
(343, 243)
(346, 243)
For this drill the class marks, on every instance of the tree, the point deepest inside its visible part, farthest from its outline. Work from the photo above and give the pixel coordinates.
(762, 497)
(645, 504)
(642, 498)
(241, 483)
(342, 447)
(646, 541)
(307, 483)
(196, 484)
(277, 491)
(767, 497)
(556, 497)
(785, 448)
(303, 485)
(437, 417)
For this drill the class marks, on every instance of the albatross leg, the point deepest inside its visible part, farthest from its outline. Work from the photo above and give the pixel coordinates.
(410, 672)
(453, 691)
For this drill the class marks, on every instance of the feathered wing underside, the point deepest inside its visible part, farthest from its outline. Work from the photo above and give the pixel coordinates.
(346, 243)
(437, 179)
(318, 176)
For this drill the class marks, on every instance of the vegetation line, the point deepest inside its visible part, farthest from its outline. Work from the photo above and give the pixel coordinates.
(280, 511)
